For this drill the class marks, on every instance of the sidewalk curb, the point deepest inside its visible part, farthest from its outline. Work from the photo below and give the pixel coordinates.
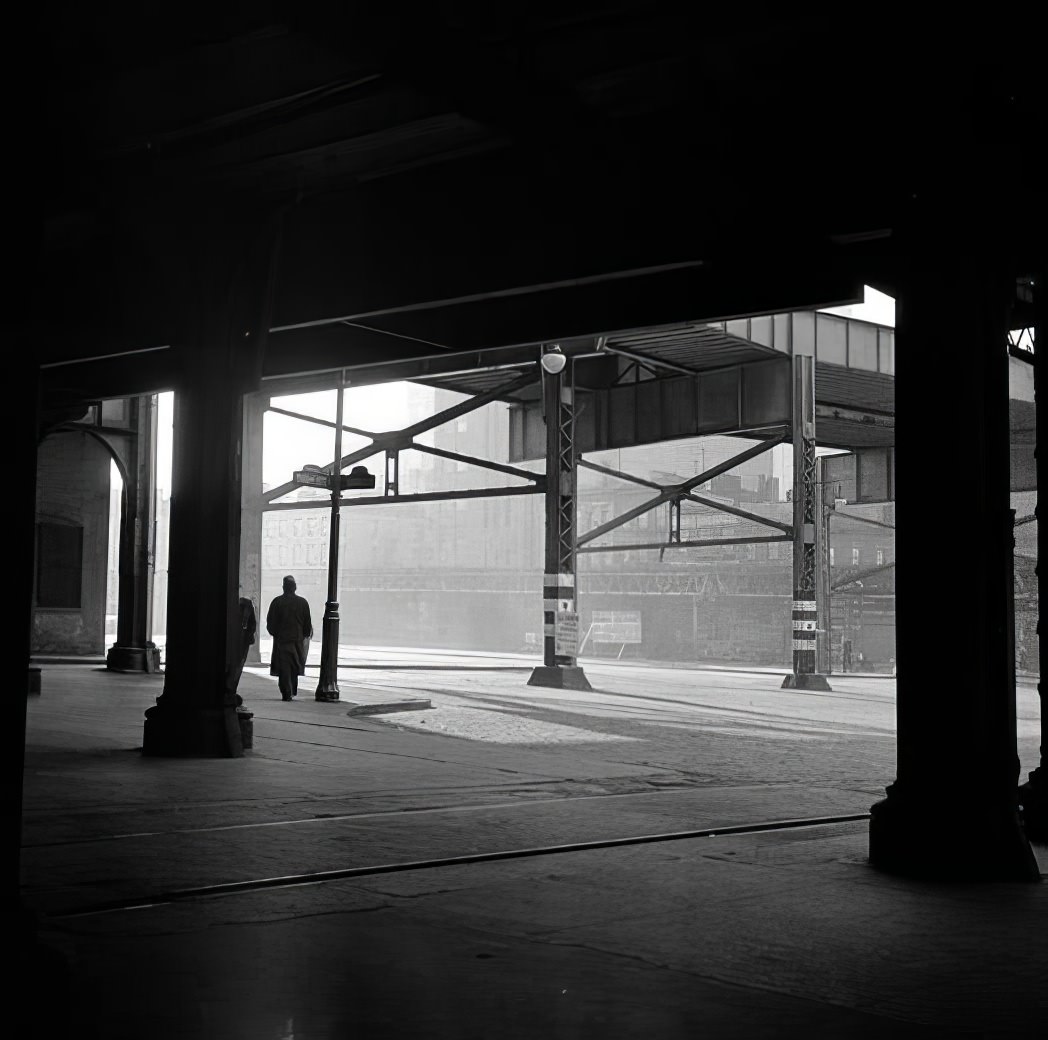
(392, 706)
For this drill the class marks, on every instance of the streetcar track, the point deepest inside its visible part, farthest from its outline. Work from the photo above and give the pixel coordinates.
(327, 876)
(380, 814)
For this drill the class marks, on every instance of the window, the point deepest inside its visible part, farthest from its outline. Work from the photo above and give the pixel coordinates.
(831, 556)
(59, 565)
(601, 514)
(855, 556)
(880, 557)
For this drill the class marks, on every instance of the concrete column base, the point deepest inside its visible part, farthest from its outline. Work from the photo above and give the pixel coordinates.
(939, 836)
(192, 732)
(806, 681)
(1033, 799)
(247, 728)
(559, 677)
(133, 659)
(34, 680)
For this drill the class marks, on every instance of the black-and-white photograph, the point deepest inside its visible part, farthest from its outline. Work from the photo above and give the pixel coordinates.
(461, 592)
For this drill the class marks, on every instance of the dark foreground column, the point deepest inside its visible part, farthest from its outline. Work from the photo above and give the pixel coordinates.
(559, 668)
(952, 812)
(196, 714)
(1033, 795)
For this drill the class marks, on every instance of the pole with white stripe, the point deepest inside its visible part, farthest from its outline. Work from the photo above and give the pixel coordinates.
(805, 505)
(559, 603)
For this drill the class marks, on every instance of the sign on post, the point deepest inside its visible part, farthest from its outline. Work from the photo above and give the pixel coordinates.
(312, 478)
(566, 634)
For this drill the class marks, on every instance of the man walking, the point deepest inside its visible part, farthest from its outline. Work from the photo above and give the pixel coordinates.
(289, 624)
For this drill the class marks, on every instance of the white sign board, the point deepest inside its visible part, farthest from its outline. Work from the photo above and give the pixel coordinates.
(566, 634)
(616, 626)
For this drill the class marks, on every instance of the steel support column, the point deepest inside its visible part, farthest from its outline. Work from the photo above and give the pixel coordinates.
(559, 667)
(251, 449)
(1033, 795)
(824, 643)
(133, 650)
(805, 518)
(953, 811)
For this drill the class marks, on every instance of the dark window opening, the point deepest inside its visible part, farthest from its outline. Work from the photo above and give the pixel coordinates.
(59, 565)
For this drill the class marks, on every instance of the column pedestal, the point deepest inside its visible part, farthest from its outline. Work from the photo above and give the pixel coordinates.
(949, 835)
(560, 677)
(806, 681)
(133, 658)
(185, 732)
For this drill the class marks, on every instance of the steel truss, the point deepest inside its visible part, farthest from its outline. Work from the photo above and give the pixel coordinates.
(673, 494)
(396, 441)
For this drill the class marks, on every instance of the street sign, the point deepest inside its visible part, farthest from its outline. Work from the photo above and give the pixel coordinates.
(358, 478)
(312, 478)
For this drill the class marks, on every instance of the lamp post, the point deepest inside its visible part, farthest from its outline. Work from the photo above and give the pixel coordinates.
(327, 688)
(359, 477)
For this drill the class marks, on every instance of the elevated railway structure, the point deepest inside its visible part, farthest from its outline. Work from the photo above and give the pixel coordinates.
(228, 198)
(798, 377)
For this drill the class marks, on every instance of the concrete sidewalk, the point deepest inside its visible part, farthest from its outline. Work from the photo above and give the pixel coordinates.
(774, 933)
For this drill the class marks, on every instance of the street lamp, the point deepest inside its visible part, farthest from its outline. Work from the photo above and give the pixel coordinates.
(553, 360)
(336, 482)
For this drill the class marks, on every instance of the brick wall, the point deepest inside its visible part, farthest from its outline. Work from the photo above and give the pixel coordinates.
(73, 488)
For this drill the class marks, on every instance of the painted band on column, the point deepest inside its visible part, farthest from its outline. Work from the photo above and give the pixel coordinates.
(805, 625)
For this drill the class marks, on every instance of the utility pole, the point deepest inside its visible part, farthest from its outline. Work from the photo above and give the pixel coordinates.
(315, 476)
(327, 688)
